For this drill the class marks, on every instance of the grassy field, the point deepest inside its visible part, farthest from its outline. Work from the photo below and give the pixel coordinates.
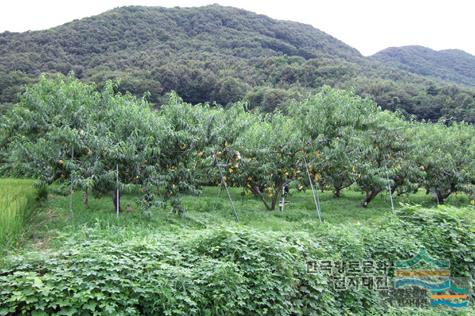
(205, 263)
(212, 209)
(17, 199)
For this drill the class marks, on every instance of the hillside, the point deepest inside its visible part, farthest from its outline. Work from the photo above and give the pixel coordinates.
(218, 54)
(451, 65)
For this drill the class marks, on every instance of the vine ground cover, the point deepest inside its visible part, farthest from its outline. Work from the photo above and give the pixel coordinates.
(205, 263)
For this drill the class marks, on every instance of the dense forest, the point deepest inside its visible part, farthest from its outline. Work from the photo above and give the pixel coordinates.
(220, 54)
(450, 64)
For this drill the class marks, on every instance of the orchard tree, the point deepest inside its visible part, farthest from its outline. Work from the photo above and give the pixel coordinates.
(221, 156)
(122, 132)
(39, 134)
(183, 148)
(67, 129)
(445, 155)
(383, 153)
(405, 174)
(268, 157)
(328, 121)
(336, 163)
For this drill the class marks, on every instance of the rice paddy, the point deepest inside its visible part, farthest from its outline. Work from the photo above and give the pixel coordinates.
(17, 198)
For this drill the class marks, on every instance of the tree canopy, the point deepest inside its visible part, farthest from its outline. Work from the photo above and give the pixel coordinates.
(63, 129)
(219, 54)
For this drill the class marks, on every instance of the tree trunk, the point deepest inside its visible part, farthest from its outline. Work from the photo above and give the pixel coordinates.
(398, 181)
(337, 192)
(393, 188)
(114, 200)
(442, 196)
(85, 198)
(255, 190)
(276, 197)
(369, 197)
(270, 207)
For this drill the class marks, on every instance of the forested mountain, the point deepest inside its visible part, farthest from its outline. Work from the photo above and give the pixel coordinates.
(451, 64)
(219, 54)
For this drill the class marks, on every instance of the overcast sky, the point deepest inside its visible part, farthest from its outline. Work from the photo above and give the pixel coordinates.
(367, 25)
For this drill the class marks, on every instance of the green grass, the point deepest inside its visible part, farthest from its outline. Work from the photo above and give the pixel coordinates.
(212, 208)
(17, 198)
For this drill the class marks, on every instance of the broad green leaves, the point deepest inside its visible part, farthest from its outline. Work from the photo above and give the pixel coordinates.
(63, 128)
(269, 150)
(228, 271)
(445, 156)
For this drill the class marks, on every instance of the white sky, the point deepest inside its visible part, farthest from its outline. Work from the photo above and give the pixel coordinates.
(367, 25)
